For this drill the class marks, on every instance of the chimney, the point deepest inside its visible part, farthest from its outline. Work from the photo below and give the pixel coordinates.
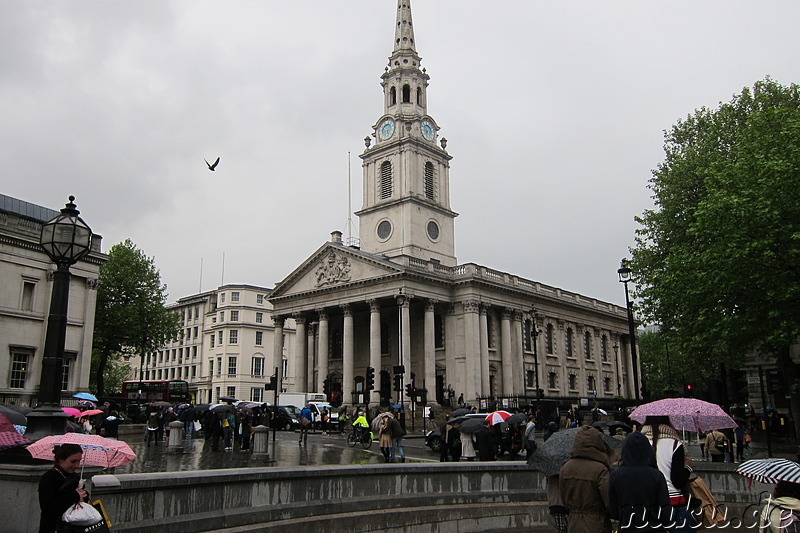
(336, 237)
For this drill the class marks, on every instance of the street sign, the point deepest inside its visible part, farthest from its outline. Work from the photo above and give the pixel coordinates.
(753, 380)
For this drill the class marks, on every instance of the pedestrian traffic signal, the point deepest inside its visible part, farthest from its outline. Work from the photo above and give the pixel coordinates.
(370, 378)
(273, 383)
(422, 395)
(398, 383)
(409, 391)
(689, 391)
(326, 386)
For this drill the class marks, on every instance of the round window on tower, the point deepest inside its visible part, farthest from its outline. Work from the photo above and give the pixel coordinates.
(433, 230)
(384, 230)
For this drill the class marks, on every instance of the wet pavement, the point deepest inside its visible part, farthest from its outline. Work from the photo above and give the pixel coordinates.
(283, 451)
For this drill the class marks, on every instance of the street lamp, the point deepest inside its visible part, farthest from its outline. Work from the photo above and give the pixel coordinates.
(619, 370)
(65, 239)
(625, 272)
(534, 335)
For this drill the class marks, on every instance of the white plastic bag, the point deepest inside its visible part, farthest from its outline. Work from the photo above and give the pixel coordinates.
(82, 514)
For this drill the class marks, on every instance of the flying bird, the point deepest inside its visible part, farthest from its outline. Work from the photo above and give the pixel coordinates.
(213, 167)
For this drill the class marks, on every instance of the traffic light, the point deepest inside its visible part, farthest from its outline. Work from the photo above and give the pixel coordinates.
(370, 378)
(398, 382)
(689, 391)
(422, 396)
(409, 391)
(273, 383)
(326, 386)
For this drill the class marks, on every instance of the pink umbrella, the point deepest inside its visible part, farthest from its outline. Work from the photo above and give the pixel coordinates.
(91, 412)
(71, 411)
(687, 414)
(97, 451)
(498, 416)
(9, 437)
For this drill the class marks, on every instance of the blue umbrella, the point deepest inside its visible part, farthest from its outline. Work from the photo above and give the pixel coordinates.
(85, 396)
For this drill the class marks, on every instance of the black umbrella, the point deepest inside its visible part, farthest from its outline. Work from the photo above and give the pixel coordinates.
(15, 417)
(24, 409)
(461, 412)
(617, 424)
(228, 399)
(471, 425)
(551, 456)
(223, 408)
(517, 418)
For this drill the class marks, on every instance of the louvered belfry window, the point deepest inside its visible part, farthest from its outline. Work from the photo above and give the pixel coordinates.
(430, 189)
(386, 180)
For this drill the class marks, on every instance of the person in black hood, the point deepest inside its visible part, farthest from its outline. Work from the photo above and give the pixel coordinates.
(552, 427)
(638, 495)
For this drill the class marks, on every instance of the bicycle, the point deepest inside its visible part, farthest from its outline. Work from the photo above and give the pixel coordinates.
(363, 437)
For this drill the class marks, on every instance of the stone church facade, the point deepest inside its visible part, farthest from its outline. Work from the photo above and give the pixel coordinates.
(400, 298)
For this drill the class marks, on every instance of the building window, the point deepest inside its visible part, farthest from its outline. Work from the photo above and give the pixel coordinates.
(606, 384)
(189, 314)
(231, 392)
(336, 345)
(172, 373)
(194, 332)
(219, 338)
(234, 316)
(570, 345)
(222, 298)
(219, 366)
(604, 348)
(234, 296)
(385, 187)
(591, 385)
(257, 367)
(587, 345)
(284, 366)
(430, 187)
(231, 367)
(406, 94)
(180, 372)
(259, 299)
(194, 353)
(210, 367)
(233, 338)
(197, 311)
(160, 375)
(419, 95)
(222, 316)
(28, 291)
(552, 380)
(256, 394)
(393, 96)
(548, 338)
(66, 367)
(259, 318)
(573, 382)
(217, 392)
(259, 338)
(213, 340)
(526, 335)
(529, 379)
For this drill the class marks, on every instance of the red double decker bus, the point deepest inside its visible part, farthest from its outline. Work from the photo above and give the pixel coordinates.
(168, 390)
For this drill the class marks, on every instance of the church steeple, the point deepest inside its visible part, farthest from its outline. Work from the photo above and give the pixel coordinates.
(406, 212)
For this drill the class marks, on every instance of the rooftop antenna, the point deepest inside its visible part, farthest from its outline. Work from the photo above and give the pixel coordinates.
(222, 281)
(350, 241)
(200, 289)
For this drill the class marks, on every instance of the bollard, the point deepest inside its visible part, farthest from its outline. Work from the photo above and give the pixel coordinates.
(261, 443)
(175, 444)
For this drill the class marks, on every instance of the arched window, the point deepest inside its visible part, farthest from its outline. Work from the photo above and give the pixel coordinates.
(430, 181)
(385, 184)
(406, 94)
(419, 95)
(393, 96)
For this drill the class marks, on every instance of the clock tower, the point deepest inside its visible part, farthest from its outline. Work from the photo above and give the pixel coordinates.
(406, 206)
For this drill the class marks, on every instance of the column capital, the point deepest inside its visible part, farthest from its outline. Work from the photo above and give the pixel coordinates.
(323, 313)
(484, 308)
(278, 320)
(516, 315)
(403, 301)
(346, 309)
(374, 305)
(92, 283)
(471, 306)
(299, 318)
(430, 305)
(508, 313)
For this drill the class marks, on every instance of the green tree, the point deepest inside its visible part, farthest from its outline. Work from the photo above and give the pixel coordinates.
(131, 317)
(718, 259)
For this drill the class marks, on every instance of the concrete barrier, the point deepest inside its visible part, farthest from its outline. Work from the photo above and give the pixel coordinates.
(395, 497)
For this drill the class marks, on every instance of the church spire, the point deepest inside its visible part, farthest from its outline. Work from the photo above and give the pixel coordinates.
(404, 32)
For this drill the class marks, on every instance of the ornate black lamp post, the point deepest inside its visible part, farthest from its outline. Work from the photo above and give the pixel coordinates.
(534, 336)
(625, 272)
(65, 239)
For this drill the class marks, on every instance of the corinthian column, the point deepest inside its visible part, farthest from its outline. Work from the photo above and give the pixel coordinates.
(375, 343)
(484, 361)
(322, 353)
(505, 352)
(300, 354)
(277, 348)
(347, 355)
(430, 350)
(472, 351)
(404, 304)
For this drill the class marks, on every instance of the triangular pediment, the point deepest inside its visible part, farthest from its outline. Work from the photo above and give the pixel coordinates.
(333, 266)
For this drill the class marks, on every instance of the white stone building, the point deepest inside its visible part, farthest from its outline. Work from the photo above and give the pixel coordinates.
(25, 293)
(226, 347)
(402, 299)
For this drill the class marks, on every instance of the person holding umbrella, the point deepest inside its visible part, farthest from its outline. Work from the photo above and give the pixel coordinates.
(583, 483)
(672, 462)
(59, 487)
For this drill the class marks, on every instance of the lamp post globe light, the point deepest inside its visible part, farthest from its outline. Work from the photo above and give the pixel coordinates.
(625, 275)
(65, 239)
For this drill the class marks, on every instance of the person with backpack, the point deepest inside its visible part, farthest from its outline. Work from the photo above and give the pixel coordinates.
(716, 446)
(781, 512)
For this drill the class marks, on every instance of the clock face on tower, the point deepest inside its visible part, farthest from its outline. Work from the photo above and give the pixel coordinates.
(427, 129)
(386, 129)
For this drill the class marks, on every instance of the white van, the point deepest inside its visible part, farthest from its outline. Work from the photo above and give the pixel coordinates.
(316, 410)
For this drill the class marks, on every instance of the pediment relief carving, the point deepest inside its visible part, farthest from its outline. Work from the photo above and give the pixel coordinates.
(333, 268)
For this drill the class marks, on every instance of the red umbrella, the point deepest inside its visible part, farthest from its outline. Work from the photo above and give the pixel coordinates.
(71, 411)
(97, 451)
(498, 416)
(9, 436)
(90, 412)
(687, 414)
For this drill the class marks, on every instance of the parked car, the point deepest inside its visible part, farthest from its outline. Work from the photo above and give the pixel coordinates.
(282, 418)
(433, 438)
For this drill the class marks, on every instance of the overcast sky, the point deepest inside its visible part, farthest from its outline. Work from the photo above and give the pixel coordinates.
(554, 113)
